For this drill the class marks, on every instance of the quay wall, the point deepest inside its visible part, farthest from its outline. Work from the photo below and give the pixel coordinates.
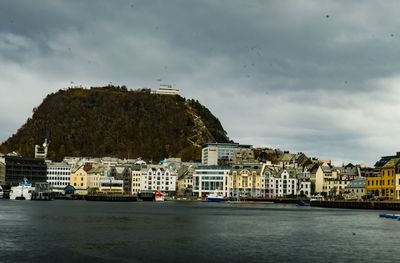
(379, 205)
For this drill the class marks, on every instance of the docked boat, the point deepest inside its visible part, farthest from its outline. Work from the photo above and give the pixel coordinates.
(215, 197)
(159, 197)
(317, 197)
(1, 192)
(22, 192)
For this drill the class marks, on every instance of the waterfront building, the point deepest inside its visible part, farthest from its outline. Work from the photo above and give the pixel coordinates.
(383, 185)
(279, 183)
(210, 178)
(111, 185)
(185, 179)
(157, 178)
(136, 175)
(317, 178)
(20, 168)
(94, 176)
(220, 153)
(332, 180)
(303, 177)
(246, 181)
(2, 171)
(58, 175)
(356, 188)
(79, 179)
(124, 173)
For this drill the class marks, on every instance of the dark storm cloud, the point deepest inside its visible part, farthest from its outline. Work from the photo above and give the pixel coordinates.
(312, 76)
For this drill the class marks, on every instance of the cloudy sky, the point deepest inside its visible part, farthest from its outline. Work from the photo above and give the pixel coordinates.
(321, 77)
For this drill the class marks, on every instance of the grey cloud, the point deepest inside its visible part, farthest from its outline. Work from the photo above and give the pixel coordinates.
(311, 76)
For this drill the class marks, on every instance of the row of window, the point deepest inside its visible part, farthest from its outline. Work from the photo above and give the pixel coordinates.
(57, 173)
(53, 178)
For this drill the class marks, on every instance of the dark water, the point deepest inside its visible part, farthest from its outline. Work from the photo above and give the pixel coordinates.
(80, 231)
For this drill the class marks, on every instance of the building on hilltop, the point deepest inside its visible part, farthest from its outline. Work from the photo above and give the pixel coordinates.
(165, 90)
(41, 151)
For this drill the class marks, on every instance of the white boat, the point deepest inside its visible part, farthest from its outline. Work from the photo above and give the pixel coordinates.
(159, 197)
(1, 192)
(215, 197)
(22, 192)
(317, 197)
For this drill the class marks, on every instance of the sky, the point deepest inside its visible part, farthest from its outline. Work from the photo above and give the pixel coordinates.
(313, 76)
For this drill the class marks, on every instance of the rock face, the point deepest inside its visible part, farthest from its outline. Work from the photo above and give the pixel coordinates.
(112, 121)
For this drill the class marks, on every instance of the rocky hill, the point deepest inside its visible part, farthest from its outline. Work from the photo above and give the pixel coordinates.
(112, 121)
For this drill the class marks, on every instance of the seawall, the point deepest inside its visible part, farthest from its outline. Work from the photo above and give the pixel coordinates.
(379, 205)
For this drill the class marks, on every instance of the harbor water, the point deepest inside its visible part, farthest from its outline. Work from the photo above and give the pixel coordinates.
(82, 231)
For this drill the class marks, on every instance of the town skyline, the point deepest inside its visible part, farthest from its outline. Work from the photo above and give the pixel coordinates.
(318, 78)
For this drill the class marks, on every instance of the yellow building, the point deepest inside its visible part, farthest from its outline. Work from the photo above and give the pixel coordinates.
(245, 181)
(135, 181)
(79, 180)
(384, 185)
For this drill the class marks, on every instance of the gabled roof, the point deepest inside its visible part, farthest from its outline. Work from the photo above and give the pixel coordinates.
(391, 163)
(286, 157)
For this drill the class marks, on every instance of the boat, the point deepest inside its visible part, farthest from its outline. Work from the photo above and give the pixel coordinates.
(317, 197)
(22, 192)
(1, 192)
(159, 197)
(215, 197)
(390, 216)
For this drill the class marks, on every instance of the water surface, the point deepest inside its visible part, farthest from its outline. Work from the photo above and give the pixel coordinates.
(81, 231)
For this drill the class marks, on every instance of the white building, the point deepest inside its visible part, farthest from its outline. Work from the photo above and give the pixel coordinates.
(166, 90)
(58, 175)
(280, 184)
(208, 179)
(157, 178)
(213, 153)
(41, 151)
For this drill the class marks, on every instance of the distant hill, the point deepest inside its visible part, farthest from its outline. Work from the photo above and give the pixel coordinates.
(112, 121)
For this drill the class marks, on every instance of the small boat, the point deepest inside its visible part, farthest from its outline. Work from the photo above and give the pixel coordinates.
(22, 192)
(1, 192)
(390, 216)
(317, 197)
(215, 197)
(159, 197)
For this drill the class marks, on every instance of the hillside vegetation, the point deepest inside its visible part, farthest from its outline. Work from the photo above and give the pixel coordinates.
(112, 121)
